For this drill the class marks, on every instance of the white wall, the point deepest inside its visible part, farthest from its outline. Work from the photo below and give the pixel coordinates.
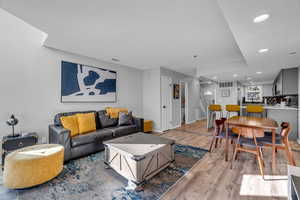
(193, 99)
(193, 103)
(298, 105)
(232, 99)
(176, 105)
(151, 97)
(30, 79)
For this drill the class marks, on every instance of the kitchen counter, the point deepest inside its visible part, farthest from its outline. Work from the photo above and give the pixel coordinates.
(281, 114)
(269, 107)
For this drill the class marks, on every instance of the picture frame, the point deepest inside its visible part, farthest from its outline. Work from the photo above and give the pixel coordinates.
(225, 93)
(176, 91)
(82, 83)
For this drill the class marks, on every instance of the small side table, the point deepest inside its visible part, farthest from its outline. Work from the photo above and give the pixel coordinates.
(10, 143)
(147, 126)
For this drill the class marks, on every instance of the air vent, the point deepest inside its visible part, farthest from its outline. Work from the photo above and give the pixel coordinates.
(115, 59)
(225, 84)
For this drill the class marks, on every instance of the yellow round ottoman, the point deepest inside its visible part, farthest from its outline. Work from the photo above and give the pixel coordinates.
(34, 165)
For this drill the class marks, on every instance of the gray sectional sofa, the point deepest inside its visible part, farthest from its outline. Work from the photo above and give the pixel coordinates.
(88, 143)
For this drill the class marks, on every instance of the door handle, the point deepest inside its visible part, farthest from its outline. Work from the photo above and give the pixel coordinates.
(164, 106)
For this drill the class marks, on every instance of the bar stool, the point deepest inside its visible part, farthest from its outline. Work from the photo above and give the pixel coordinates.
(254, 111)
(232, 109)
(212, 111)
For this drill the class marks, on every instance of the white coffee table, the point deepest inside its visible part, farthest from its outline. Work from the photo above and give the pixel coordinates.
(139, 157)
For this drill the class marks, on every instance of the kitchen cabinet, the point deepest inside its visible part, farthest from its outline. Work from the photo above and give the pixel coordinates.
(286, 82)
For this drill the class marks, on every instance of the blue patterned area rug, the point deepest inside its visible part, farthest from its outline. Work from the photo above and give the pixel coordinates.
(87, 179)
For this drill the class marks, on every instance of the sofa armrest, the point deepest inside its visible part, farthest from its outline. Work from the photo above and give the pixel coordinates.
(139, 122)
(60, 135)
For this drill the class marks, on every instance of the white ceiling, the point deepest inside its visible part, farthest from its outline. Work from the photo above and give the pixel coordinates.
(149, 34)
(280, 34)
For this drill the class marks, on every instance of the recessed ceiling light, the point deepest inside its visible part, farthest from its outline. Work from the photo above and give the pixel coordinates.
(263, 50)
(261, 18)
(259, 72)
(214, 77)
(235, 75)
(249, 78)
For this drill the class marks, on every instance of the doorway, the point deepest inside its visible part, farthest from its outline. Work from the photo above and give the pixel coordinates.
(166, 100)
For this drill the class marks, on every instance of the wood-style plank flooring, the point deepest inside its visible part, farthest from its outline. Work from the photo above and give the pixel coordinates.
(211, 177)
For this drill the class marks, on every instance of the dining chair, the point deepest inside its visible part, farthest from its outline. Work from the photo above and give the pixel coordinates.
(219, 133)
(213, 110)
(281, 141)
(247, 141)
(255, 111)
(232, 109)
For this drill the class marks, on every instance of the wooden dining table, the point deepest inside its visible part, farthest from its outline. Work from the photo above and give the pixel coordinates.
(266, 124)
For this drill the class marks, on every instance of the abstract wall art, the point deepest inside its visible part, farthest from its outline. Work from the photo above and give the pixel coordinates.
(83, 83)
(176, 91)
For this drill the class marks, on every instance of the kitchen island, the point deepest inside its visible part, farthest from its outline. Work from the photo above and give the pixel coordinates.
(281, 114)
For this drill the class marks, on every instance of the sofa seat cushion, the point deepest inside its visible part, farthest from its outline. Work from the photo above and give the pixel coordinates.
(123, 130)
(96, 136)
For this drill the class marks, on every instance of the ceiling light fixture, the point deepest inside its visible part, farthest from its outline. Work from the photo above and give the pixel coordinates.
(261, 18)
(263, 50)
(258, 72)
(208, 93)
(215, 77)
(249, 78)
(235, 75)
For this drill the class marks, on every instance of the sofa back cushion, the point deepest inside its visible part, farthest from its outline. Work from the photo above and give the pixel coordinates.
(114, 112)
(86, 122)
(125, 119)
(70, 123)
(105, 120)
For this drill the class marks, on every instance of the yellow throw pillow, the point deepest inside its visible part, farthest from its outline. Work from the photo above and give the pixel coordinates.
(70, 123)
(114, 112)
(86, 122)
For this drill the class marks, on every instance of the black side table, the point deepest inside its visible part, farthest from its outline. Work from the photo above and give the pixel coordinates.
(10, 143)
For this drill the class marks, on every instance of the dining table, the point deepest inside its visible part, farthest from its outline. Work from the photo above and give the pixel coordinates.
(267, 124)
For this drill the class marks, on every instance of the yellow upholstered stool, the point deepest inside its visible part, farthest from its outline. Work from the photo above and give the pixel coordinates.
(255, 110)
(212, 111)
(147, 126)
(232, 109)
(34, 165)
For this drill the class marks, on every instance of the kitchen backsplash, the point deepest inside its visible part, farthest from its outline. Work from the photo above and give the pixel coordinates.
(273, 100)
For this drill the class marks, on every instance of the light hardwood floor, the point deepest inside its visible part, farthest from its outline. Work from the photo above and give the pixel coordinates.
(211, 177)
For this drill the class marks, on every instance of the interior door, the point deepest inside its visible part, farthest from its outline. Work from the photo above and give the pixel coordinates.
(166, 103)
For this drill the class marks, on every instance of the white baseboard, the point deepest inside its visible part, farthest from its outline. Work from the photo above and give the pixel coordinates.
(157, 131)
(201, 118)
(190, 122)
(177, 126)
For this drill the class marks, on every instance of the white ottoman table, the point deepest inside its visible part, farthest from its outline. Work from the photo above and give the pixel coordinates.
(139, 157)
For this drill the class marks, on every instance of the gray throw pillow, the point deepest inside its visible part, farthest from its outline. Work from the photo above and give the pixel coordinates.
(106, 121)
(125, 119)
